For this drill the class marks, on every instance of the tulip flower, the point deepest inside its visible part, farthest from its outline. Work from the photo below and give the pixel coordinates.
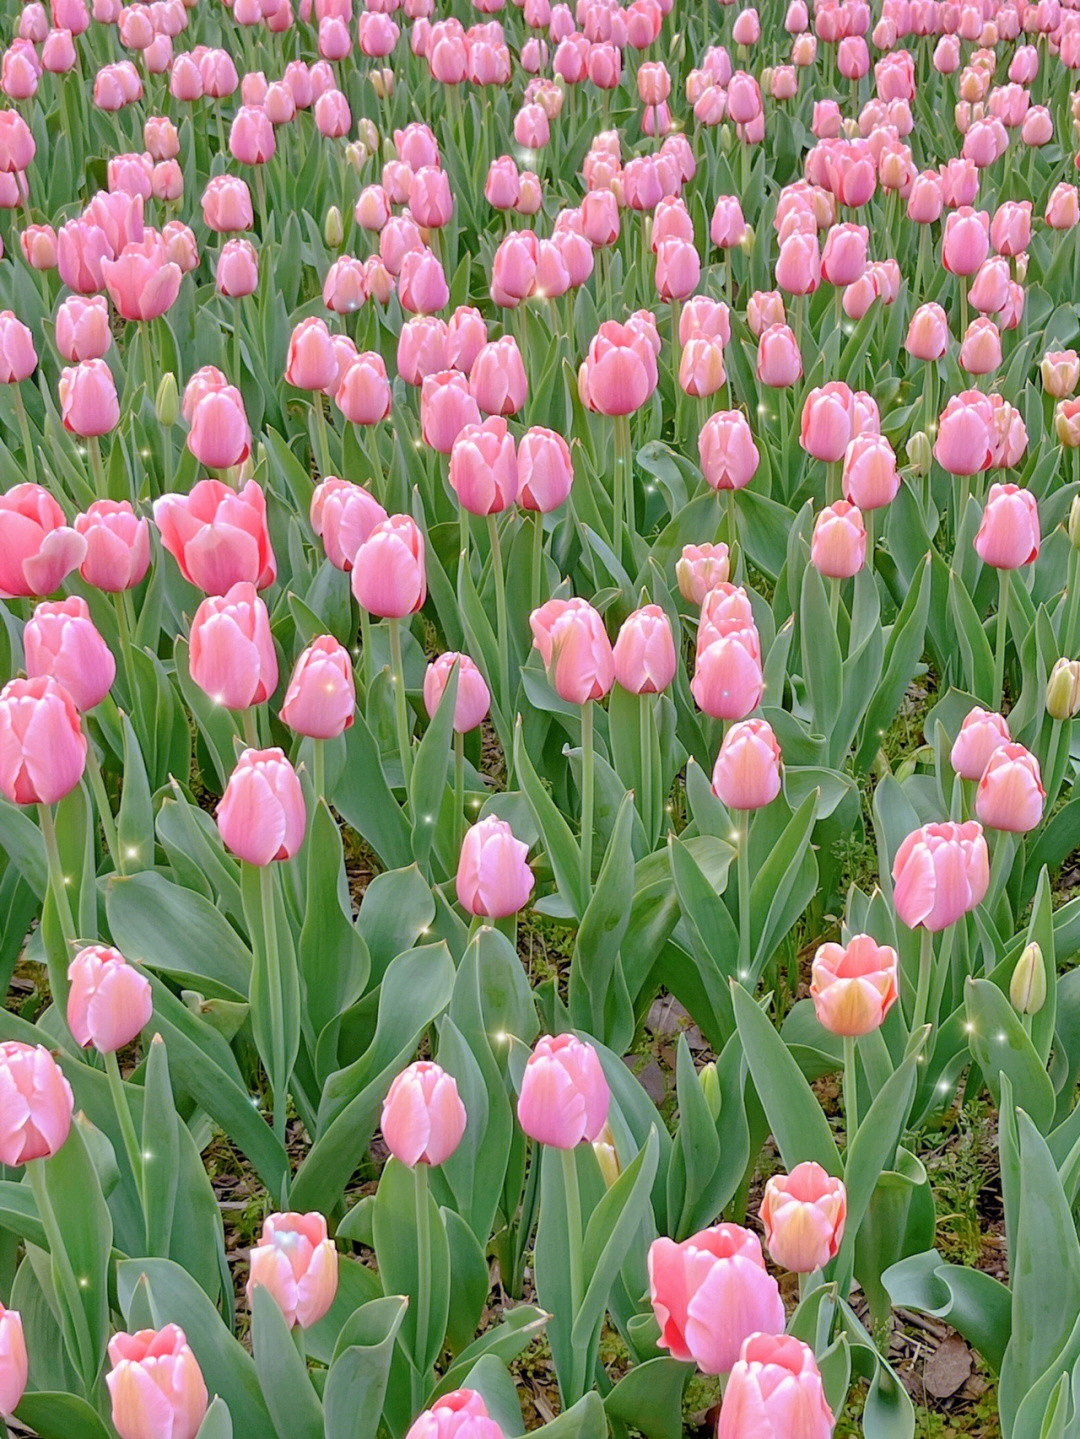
(461, 1414)
(1008, 536)
(109, 1002)
(644, 652)
(388, 576)
(156, 1385)
(297, 1263)
(42, 745)
(545, 470)
(321, 698)
(1010, 795)
(483, 467)
(854, 986)
(619, 373)
(38, 549)
(838, 545)
(727, 682)
(232, 653)
(262, 816)
(981, 733)
(35, 1104)
(117, 553)
(940, 873)
(564, 1095)
(710, 1293)
(729, 457)
(142, 281)
(61, 641)
(747, 771)
(13, 1360)
(775, 1391)
(473, 698)
(88, 402)
(803, 1213)
(699, 569)
(497, 380)
(423, 1118)
(828, 422)
(217, 536)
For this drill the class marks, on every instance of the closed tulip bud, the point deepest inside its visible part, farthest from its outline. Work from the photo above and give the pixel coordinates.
(297, 1263)
(36, 1104)
(262, 816)
(564, 1095)
(156, 1385)
(389, 577)
(710, 1293)
(1063, 690)
(854, 986)
(42, 744)
(870, 478)
(606, 1156)
(828, 422)
(109, 1003)
(473, 697)
(1008, 536)
(13, 1360)
(573, 643)
(920, 452)
(729, 456)
(981, 733)
(699, 569)
(941, 872)
(423, 1118)
(803, 1213)
(88, 400)
(232, 654)
(644, 652)
(775, 1391)
(1027, 988)
(60, 640)
(838, 546)
(1010, 796)
(333, 228)
(493, 877)
(747, 771)
(710, 1087)
(321, 696)
(545, 470)
(167, 401)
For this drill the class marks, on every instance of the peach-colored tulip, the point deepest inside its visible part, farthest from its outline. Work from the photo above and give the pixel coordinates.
(803, 1213)
(1010, 795)
(854, 986)
(775, 1391)
(297, 1263)
(156, 1385)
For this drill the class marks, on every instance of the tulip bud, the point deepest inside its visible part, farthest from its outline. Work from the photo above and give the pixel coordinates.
(919, 452)
(356, 154)
(167, 403)
(334, 228)
(1027, 988)
(606, 1157)
(1063, 690)
(710, 1088)
(1074, 523)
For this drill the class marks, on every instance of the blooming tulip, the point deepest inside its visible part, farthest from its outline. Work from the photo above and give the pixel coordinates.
(60, 640)
(803, 1213)
(940, 873)
(564, 1095)
(217, 536)
(980, 735)
(37, 547)
(232, 653)
(828, 422)
(729, 457)
(1010, 795)
(88, 402)
(35, 1104)
(497, 380)
(483, 469)
(117, 552)
(775, 1392)
(574, 646)
(262, 816)
(853, 986)
(156, 1385)
(838, 545)
(297, 1263)
(321, 696)
(545, 469)
(699, 569)
(109, 1002)
(388, 577)
(82, 328)
(42, 744)
(727, 682)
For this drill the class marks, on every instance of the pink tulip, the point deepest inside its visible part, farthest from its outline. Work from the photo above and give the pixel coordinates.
(466, 336)
(262, 816)
(980, 735)
(18, 360)
(748, 767)
(699, 569)
(764, 308)
(1063, 207)
(297, 1263)
(854, 986)
(497, 380)
(217, 536)
(710, 1293)
(619, 373)
(1060, 373)
(42, 744)
(16, 142)
(483, 469)
(726, 610)
(237, 269)
(363, 390)
(940, 873)
(180, 245)
(1008, 537)
(61, 641)
(803, 1213)
(574, 646)
(38, 244)
(156, 1385)
(1010, 796)
(311, 363)
(775, 1392)
(117, 546)
(461, 1414)
(966, 434)
(798, 267)
(37, 546)
(545, 470)
(447, 409)
(82, 328)
(928, 333)
(389, 578)
(727, 682)
(142, 282)
(161, 138)
(966, 240)
(564, 1095)
(232, 655)
(35, 1103)
(13, 1360)
(729, 457)
(473, 698)
(870, 477)
(422, 287)
(220, 437)
(678, 269)
(493, 877)
(779, 363)
(838, 546)
(843, 258)
(423, 1118)
(701, 367)
(828, 422)
(980, 349)
(226, 205)
(88, 401)
(431, 201)
(644, 652)
(321, 698)
(109, 1003)
(727, 227)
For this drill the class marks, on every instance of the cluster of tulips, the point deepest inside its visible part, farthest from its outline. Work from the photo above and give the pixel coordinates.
(599, 479)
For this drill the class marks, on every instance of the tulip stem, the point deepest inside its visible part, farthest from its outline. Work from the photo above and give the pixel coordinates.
(742, 869)
(278, 1080)
(123, 630)
(423, 1275)
(101, 489)
(323, 438)
(127, 1129)
(24, 431)
(58, 885)
(645, 721)
(318, 769)
(922, 991)
(538, 560)
(500, 619)
(851, 1090)
(250, 725)
(400, 703)
(575, 1246)
(101, 800)
(148, 359)
(1004, 585)
(459, 792)
(79, 1343)
(587, 783)
(365, 653)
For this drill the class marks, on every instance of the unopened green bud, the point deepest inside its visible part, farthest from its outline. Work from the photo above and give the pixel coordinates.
(1074, 523)
(919, 452)
(727, 138)
(356, 154)
(608, 1160)
(167, 403)
(746, 244)
(710, 1088)
(1063, 690)
(367, 133)
(333, 228)
(1027, 988)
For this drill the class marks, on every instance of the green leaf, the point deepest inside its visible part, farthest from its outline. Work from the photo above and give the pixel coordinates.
(217, 1423)
(999, 1044)
(283, 1376)
(599, 1000)
(135, 819)
(649, 1398)
(60, 1416)
(798, 1124)
(695, 1154)
(401, 1202)
(332, 957)
(160, 1150)
(975, 651)
(177, 932)
(821, 658)
(428, 781)
(356, 1382)
(585, 1420)
(977, 1305)
(364, 799)
(469, 1281)
(563, 851)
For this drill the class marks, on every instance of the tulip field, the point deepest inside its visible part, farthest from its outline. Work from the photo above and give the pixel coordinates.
(539, 648)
